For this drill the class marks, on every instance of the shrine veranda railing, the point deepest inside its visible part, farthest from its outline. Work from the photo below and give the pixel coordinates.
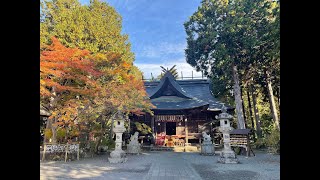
(69, 148)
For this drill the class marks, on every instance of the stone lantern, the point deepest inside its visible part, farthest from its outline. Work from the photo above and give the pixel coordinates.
(118, 155)
(227, 155)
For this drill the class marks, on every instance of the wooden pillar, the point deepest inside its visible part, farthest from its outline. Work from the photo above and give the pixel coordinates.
(44, 151)
(152, 126)
(48, 126)
(186, 130)
(129, 121)
(248, 146)
(66, 154)
(78, 153)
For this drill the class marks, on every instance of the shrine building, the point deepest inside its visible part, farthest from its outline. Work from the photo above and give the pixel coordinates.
(184, 109)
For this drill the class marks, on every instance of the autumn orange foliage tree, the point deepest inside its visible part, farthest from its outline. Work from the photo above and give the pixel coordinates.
(82, 91)
(67, 77)
(122, 90)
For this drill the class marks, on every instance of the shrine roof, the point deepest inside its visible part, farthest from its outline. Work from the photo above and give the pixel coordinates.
(169, 93)
(174, 102)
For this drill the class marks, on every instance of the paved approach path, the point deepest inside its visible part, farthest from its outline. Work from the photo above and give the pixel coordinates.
(169, 166)
(165, 166)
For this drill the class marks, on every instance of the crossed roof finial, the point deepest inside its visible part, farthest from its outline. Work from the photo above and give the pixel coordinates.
(224, 108)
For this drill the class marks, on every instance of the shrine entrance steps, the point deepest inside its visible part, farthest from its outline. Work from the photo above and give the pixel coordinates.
(161, 148)
(176, 148)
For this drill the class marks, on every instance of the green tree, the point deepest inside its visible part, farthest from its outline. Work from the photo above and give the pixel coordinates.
(214, 40)
(95, 27)
(265, 57)
(223, 38)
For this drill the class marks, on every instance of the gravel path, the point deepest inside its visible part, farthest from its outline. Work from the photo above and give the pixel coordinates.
(165, 165)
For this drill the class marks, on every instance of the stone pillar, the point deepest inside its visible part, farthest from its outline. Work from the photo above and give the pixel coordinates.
(227, 154)
(118, 155)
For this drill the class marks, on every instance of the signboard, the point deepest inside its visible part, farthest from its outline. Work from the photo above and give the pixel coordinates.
(168, 118)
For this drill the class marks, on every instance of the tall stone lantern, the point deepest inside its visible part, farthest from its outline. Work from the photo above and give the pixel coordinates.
(227, 154)
(118, 155)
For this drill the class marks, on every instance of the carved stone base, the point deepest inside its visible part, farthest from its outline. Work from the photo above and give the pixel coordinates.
(190, 149)
(117, 160)
(228, 157)
(134, 149)
(207, 149)
(117, 156)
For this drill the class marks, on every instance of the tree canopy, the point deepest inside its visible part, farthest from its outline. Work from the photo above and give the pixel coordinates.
(95, 27)
(222, 33)
(236, 43)
(86, 68)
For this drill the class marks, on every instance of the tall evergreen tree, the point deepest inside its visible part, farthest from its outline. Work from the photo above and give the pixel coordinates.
(223, 38)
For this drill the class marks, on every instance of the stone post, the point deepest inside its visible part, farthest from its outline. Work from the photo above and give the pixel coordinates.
(118, 155)
(227, 155)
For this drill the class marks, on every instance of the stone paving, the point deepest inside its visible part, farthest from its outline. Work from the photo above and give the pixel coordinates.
(166, 166)
(170, 165)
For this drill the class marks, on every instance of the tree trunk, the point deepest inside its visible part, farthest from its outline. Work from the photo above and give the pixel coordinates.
(100, 119)
(250, 111)
(279, 97)
(98, 142)
(53, 120)
(48, 126)
(54, 131)
(238, 99)
(272, 102)
(111, 130)
(244, 112)
(256, 112)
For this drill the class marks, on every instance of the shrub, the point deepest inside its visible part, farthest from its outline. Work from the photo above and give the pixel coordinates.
(142, 128)
(74, 132)
(260, 143)
(237, 150)
(48, 134)
(107, 142)
(273, 141)
(92, 146)
(61, 134)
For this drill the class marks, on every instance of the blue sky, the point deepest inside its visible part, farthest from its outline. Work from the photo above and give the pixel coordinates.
(156, 32)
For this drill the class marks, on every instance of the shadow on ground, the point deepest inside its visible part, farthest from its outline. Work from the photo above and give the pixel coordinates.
(208, 172)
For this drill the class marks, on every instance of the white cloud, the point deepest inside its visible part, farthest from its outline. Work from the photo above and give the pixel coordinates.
(162, 49)
(155, 69)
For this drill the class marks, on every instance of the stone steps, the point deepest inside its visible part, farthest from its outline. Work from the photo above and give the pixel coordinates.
(162, 148)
